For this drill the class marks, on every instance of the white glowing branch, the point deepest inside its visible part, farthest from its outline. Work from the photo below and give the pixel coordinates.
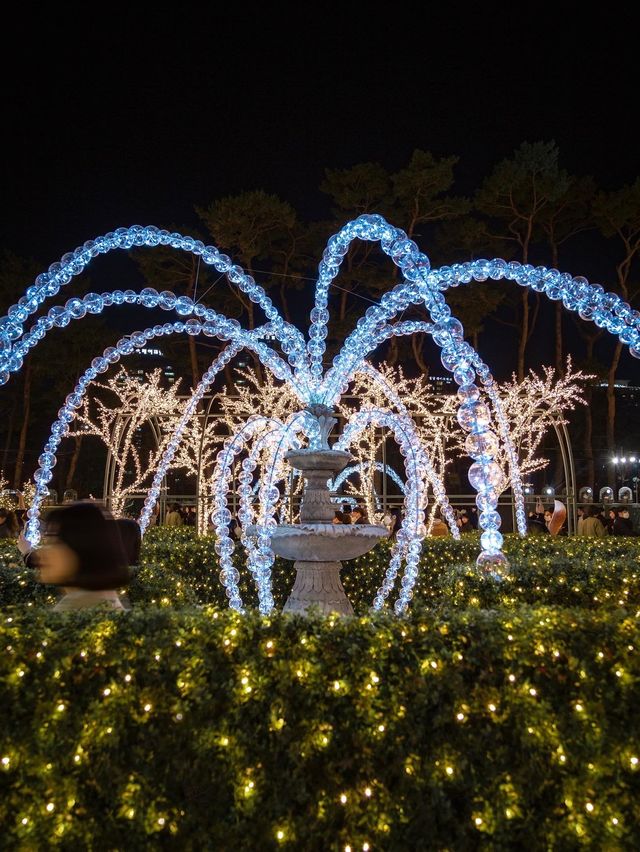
(128, 406)
(532, 407)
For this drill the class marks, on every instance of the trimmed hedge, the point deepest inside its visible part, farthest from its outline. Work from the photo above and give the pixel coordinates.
(179, 568)
(205, 730)
(555, 570)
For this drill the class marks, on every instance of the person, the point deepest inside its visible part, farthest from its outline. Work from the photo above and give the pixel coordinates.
(581, 517)
(83, 554)
(155, 514)
(21, 511)
(473, 517)
(536, 519)
(340, 518)
(173, 518)
(190, 516)
(438, 527)
(358, 514)
(626, 522)
(464, 524)
(235, 528)
(548, 514)
(9, 527)
(612, 517)
(623, 524)
(389, 520)
(592, 525)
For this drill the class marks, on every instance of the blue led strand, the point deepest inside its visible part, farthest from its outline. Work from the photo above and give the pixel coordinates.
(408, 544)
(420, 285)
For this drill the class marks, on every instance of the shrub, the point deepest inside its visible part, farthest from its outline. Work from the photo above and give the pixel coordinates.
(202, 729)
(178, 567)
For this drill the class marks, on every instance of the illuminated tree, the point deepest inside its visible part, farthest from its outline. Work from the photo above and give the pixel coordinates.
(532, 407)
(196, 455)
(117, 415)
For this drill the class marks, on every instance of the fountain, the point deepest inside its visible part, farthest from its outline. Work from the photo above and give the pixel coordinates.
(300, 364)
(317, 545)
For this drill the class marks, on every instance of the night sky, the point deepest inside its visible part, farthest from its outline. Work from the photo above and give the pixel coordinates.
(112, 120)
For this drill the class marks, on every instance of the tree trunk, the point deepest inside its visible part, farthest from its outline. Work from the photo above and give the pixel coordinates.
(611, 398)
(228, 378)
(26, 411)
(193, 354)
(7, 443)
(588, 439)
(559, 359)
(344, 295)
(73, 464)
(394, 352)
(524, 334)
(417, 341)
(559, 353)
(285, 304)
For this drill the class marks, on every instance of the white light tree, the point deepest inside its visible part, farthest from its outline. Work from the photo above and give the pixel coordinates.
(197, 456)
(431, 412)
(532, 407)
(118, 412)
(9, 497)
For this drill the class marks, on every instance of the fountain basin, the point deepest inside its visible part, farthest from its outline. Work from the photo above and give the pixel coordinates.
(326, 542)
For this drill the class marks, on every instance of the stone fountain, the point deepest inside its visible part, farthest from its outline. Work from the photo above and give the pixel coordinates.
(317, 545)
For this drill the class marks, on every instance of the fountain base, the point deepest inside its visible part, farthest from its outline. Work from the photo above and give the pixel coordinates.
(318, 585)
(317, 549)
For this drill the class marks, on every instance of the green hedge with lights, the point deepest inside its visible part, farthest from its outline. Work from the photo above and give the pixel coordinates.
(556, 570)
(201, 729)
(178, 568)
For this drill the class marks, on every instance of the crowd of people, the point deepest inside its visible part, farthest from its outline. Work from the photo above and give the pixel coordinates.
(594, 521)
(180, 516)
(598, 522)
(351, 515)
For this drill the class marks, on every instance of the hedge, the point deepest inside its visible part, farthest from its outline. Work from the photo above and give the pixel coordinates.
(201, 729)
(179, 568)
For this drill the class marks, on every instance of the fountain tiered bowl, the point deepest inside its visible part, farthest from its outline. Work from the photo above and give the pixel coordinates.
(317, 545)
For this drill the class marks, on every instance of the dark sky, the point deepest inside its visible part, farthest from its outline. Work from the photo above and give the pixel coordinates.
(119, 118)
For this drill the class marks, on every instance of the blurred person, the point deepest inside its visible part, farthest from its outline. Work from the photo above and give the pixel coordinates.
(9, 526)
(438, 527)
(464, 522)
(581, 516)
(83, 553)
(592, 526)
(612, 517)
(623, 524)
(359, 514)
(130, 538)
(173, 517)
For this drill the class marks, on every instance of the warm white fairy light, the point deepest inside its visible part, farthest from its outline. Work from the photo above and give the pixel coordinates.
(531, 407)
(115, 413)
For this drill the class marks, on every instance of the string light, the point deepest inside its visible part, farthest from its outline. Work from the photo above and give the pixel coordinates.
(304, 370)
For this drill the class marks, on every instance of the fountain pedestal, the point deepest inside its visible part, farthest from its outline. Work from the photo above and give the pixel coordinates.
(316, 544)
